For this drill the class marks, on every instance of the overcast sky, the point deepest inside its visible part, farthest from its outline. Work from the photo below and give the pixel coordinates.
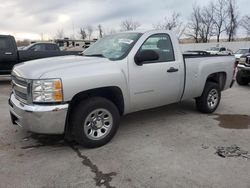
(30, 18)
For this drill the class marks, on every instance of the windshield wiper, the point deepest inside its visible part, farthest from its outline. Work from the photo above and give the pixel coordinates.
(94, 55)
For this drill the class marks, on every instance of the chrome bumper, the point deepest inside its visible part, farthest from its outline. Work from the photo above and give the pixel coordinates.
(44, 119)
(243, 67)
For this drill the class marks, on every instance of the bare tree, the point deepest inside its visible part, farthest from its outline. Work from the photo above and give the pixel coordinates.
(129, 24)
(207, 22)
(201, 25)
(169, 23)
(181, 30)
(109, 31)
(60, 34)
(24, 42)
(233, 19)
(173, 23)
(245, 23)
(90, 31)
(100, 30)
(194, 24)
(220, 15)
(83, 33)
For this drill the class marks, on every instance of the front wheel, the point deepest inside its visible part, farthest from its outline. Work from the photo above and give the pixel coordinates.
(95, 122)
(241, 80)
(210, 98)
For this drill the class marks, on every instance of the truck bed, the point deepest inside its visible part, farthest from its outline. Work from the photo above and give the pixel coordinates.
(200, 55)
(198, 68)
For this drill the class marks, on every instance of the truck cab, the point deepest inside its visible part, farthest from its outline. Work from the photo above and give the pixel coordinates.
(8, 54)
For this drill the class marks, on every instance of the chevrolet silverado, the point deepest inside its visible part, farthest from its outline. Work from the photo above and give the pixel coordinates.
(83, 97)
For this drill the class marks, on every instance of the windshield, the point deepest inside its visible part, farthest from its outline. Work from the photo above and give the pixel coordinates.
(27, 47)
(113, 47)
(242, 51)
(214, 49)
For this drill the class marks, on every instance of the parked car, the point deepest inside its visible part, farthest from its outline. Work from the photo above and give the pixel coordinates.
(10, 55)
(241, 52)
(83, 97)
(219, 51)
(196, 52)
(243, 74)
(42, 46)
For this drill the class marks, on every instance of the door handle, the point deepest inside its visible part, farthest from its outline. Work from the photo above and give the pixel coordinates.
(172, 69)
(8, 53)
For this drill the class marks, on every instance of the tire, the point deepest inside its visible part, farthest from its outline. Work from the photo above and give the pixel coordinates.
(95, 122)
(243, 81)
(210, 98)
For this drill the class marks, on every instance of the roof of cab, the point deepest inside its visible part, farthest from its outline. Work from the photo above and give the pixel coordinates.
(6, 36)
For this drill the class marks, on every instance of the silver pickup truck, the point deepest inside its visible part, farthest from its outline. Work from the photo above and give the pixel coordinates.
(83, 97)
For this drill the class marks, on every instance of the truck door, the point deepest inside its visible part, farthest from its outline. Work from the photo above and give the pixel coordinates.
(158, 82)
(8, 54)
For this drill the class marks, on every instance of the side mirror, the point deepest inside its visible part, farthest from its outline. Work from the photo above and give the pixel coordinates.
(146, 55)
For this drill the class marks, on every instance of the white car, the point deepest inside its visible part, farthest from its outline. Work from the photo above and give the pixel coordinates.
(219, 51)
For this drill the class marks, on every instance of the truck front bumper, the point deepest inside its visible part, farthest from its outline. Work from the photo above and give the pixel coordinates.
(243, 67)
(43, 119)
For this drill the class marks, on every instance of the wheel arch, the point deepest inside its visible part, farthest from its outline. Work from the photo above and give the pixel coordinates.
(112, 93)
(219, 78)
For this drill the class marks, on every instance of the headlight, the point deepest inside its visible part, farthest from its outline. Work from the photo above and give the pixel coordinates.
(47, 90)
(248, 60)
(242, 60)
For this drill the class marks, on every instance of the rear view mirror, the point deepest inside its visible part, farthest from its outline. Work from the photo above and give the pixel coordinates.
(146, 55)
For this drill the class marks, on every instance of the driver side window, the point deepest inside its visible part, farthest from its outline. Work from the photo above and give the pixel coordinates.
(223, 49)
(34, 48)
(162, 45)
(4, 44)
(38, 47)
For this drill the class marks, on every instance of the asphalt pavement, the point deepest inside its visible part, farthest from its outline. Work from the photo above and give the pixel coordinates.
(168, 147)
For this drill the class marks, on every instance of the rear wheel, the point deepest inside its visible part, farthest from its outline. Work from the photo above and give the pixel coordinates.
(241, 80)
(95, 122)
(210, 98)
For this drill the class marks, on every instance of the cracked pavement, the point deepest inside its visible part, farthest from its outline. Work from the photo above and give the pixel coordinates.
(171, 146)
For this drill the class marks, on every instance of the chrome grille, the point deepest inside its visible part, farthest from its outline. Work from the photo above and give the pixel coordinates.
(248, 61)
(20, 88)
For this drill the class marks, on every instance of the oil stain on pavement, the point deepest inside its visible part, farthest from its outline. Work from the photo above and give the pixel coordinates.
(233, 121)
(101, 179)
(44, 140)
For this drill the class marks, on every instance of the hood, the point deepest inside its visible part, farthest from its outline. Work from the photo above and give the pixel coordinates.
(36, 68)
(237, 56)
